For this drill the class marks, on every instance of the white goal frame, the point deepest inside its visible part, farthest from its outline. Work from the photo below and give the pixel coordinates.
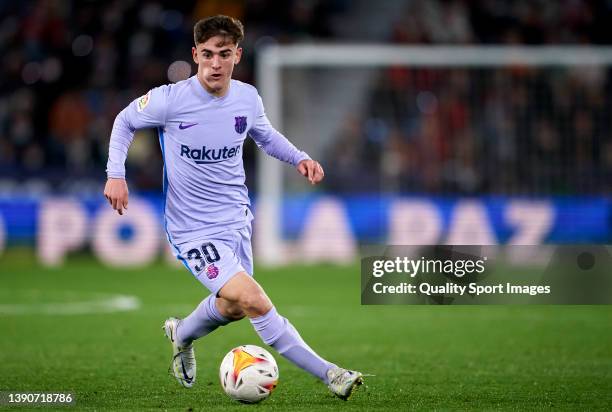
(272, 59)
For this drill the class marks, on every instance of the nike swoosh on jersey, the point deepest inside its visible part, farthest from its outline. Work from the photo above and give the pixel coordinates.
(186, 126)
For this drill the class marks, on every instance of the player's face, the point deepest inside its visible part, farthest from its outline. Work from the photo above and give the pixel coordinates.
(216, 59)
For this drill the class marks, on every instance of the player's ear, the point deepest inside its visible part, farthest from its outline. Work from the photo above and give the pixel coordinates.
(238, 55)
(194, 54)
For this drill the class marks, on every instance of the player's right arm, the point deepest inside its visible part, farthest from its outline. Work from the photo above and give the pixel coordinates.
(116, 192)
(145, 112)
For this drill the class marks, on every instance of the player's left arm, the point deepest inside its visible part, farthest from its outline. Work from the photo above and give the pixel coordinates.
(278, 146)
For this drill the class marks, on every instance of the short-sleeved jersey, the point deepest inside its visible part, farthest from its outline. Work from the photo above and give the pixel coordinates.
(201, 138)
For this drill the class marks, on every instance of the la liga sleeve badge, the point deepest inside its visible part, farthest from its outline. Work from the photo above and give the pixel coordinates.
(143, 101)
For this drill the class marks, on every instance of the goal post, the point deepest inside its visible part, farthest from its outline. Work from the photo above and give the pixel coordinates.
(272, 60)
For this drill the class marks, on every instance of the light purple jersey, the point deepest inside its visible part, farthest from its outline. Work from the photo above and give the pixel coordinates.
(201, 138)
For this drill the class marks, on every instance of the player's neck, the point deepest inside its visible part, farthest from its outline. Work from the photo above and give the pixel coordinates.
(216, 93)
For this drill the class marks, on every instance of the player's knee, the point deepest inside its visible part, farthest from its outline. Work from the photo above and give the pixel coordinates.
(243, 291)
(230, 310)
(234, 312)
(254, 303)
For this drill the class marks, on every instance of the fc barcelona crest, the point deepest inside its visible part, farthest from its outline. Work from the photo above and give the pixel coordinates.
(212, 271)
(241, 124)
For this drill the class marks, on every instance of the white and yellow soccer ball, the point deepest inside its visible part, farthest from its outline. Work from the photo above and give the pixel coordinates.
(248, 374)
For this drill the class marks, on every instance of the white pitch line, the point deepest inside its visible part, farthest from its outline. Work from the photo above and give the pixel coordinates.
(100, 304)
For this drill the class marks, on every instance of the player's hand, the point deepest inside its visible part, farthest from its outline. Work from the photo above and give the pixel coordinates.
(312, 170)
(116, 192)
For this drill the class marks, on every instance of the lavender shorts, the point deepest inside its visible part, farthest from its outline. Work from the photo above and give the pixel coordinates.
(213, 261)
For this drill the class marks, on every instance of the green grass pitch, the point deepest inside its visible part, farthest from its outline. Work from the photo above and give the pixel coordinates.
(424, 357)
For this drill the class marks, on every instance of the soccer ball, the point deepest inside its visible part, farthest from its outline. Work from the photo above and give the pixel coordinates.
(248, 374)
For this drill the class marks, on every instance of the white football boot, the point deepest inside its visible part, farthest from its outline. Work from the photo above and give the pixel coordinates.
(183, 365)
(342, 382)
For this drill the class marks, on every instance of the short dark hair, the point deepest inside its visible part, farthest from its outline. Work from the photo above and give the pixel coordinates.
(219, 25)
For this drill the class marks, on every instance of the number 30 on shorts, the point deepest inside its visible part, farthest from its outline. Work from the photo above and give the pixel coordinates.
(206, 254)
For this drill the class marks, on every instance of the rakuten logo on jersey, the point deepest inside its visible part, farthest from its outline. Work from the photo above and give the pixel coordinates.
(205, 156)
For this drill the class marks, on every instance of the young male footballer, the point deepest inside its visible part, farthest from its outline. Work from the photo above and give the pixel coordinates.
(202, 124)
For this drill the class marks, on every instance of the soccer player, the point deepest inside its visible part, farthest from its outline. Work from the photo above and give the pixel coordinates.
(202, 123)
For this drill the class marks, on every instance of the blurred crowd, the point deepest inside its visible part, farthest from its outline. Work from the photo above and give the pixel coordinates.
(513, 130)
(516, 131)
(504, 22)
(70, 66)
